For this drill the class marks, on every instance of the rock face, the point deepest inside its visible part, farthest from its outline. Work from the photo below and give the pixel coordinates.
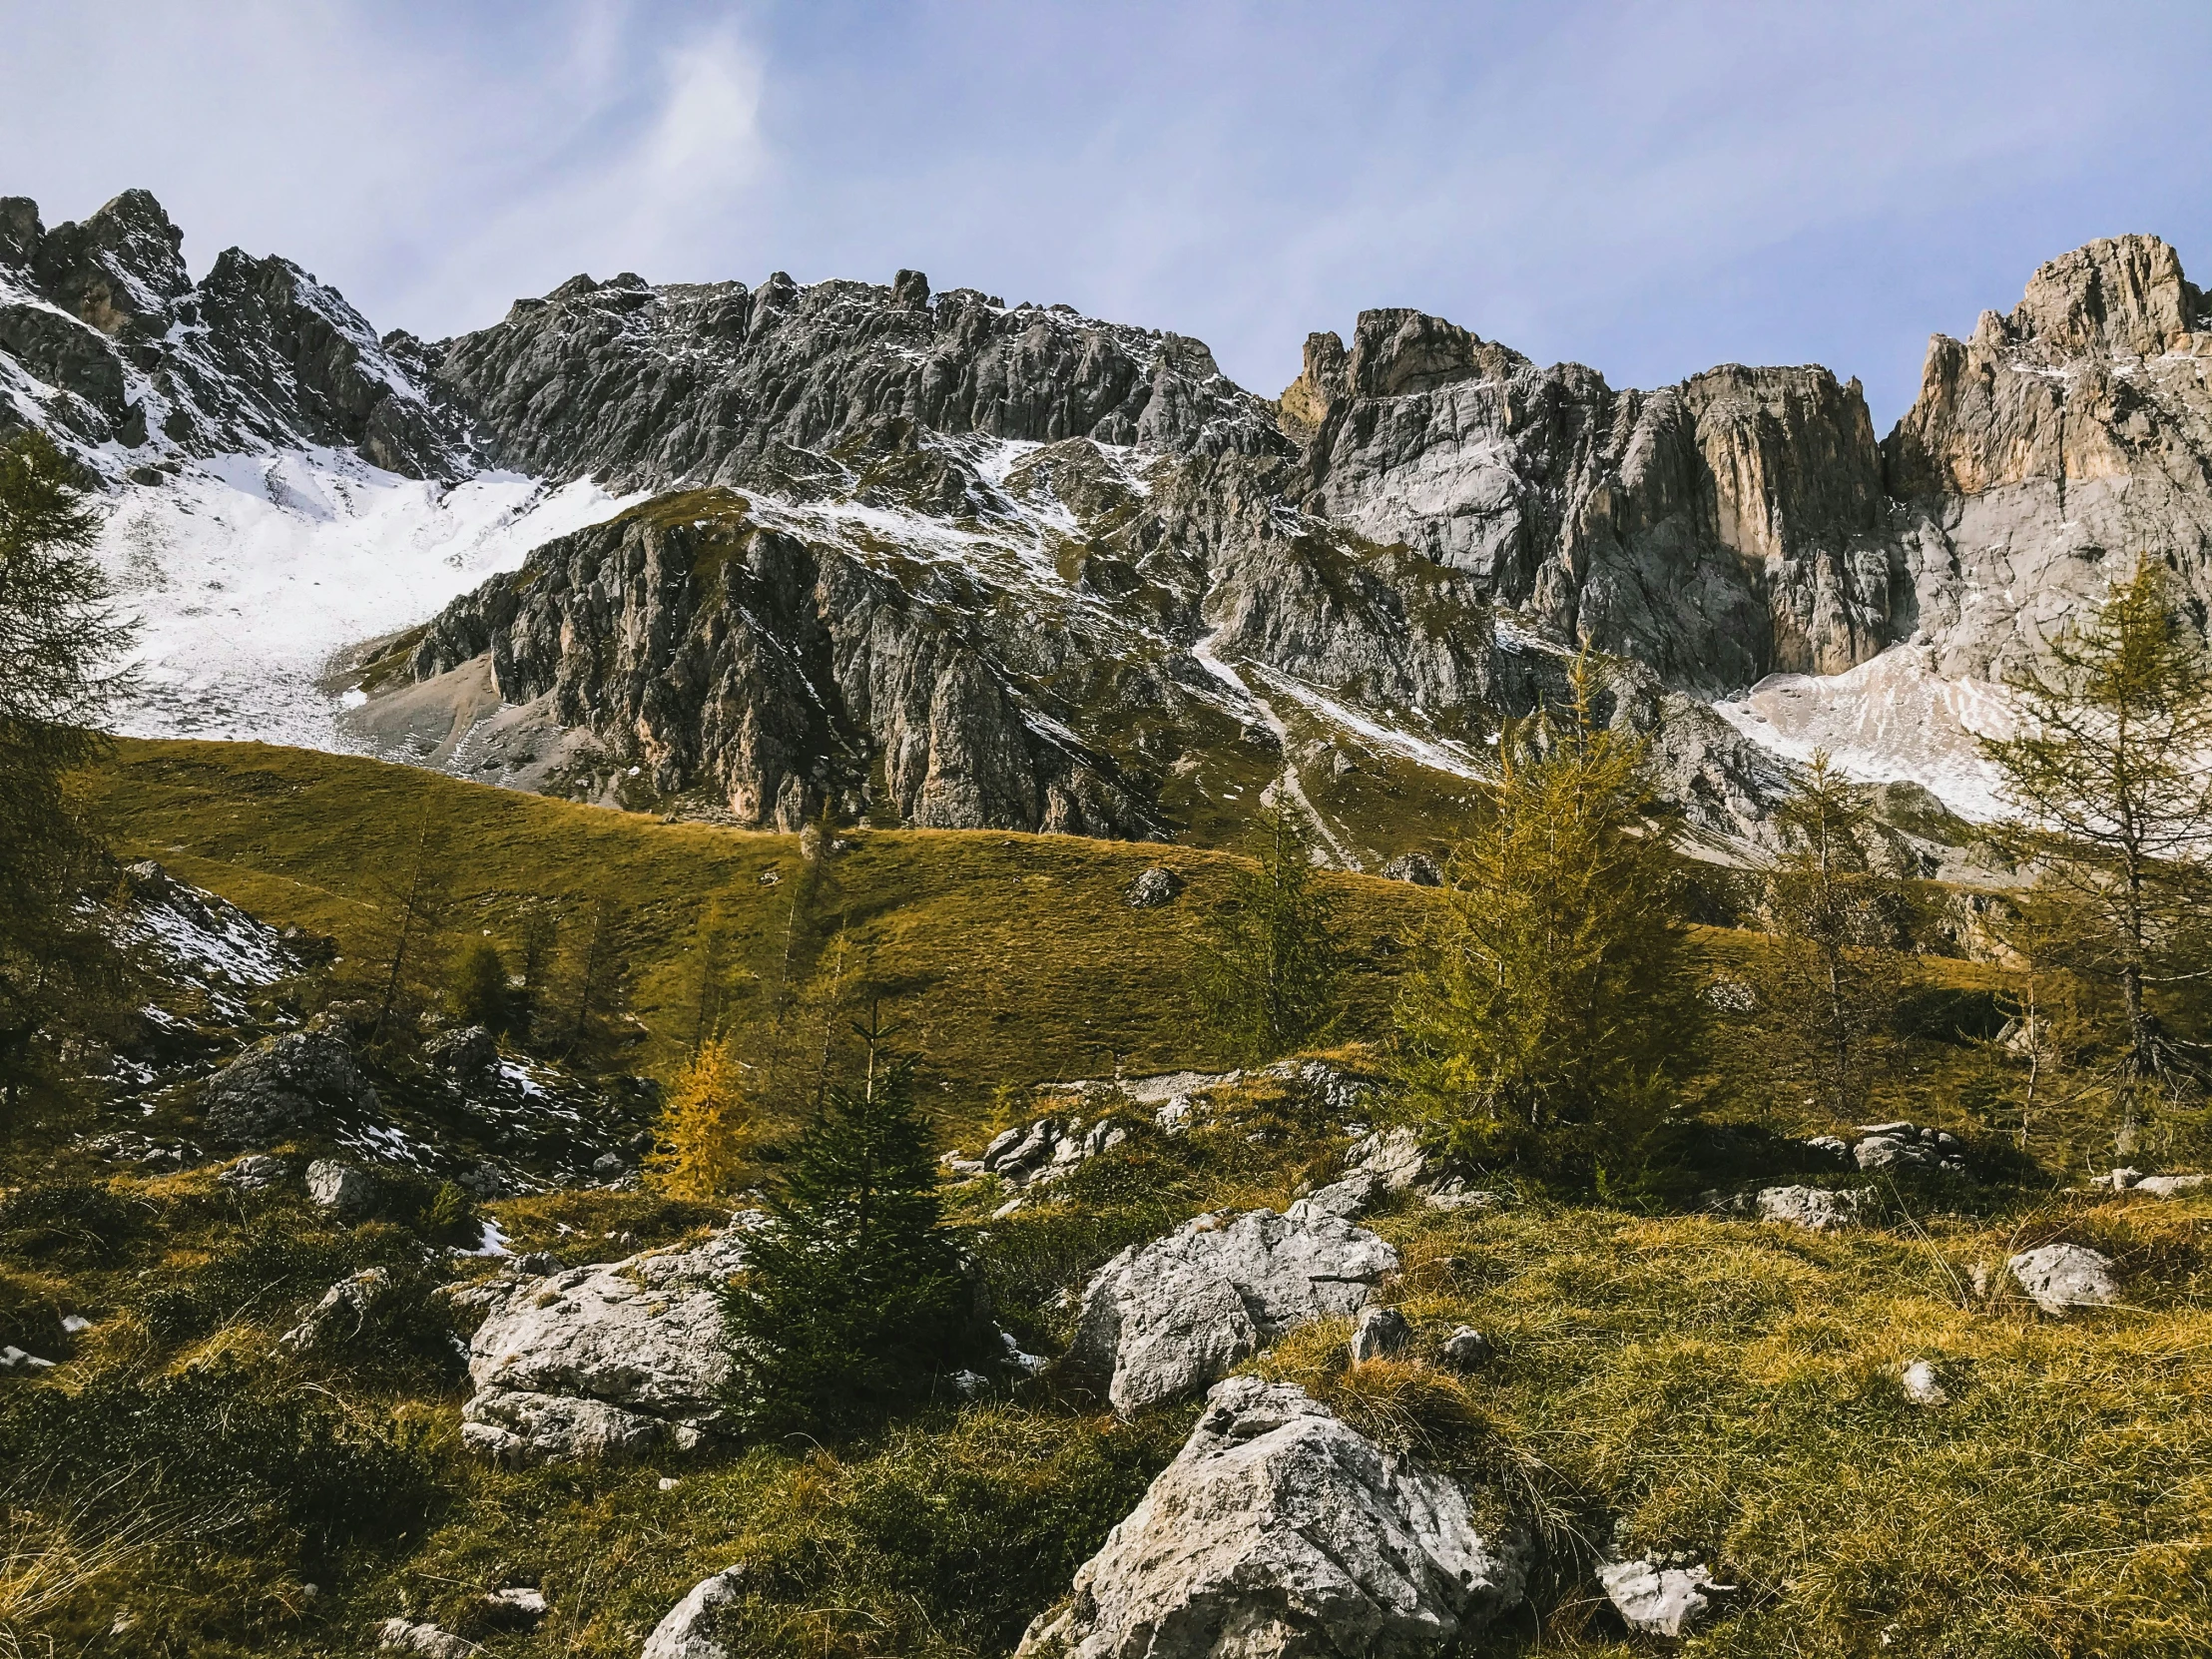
(720, 383)
(1278, 1531)
(283, 1086)
(105, 335)
(779, 672)
(2061, 1277)
(2053, 447)
(1718, 531)
(1164, 1318)
(601, 1361)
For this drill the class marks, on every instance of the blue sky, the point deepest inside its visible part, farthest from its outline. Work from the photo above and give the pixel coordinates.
(1648, 188)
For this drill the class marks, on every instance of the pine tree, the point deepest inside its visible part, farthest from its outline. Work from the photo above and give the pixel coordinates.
(1554, 1007)
(56, 639)
(853, 1300)
(2110, 771)
(1830, 975)
(1270, 963)
(533, 1002)
(706, 1128)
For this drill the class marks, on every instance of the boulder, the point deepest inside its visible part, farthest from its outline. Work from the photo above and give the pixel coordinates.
(1922, 1386)
(465, 1054)
(1356, 1194)
(1817, 1209)
(1393, 1155)
(1466, 1349)
(2170, 1186)
(1049, 1149)
(1163, 1318)
(696, 1627)
(602, 1362)
(1280, 1531)
(343, 1314)
(1380, 1334)
(1656, 1600)
(283, 1086)
(1152, 888)
(408, 1636)
(1453, 1193)
(2063, 1276)
(517, 1430)
(347, 1189)
(1888, 1144)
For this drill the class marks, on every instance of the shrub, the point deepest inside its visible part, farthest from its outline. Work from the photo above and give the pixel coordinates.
(255, 1461)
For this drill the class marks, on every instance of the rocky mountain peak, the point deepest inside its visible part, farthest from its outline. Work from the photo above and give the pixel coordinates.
(2118, 296)
(107, 344)
(119, 268)
(718, 383)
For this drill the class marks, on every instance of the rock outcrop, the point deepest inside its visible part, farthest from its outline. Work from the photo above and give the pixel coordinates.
(721, 384)
(283, 1086)
(602, 1362)
(1279, 1530)
(1162, 1320)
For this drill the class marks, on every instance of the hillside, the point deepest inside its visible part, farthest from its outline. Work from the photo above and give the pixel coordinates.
(1673, 1377)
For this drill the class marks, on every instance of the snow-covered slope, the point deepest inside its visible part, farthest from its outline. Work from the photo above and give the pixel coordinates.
(1891, 719)
(246, 572)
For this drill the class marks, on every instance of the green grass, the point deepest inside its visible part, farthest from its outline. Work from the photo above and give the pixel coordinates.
(1008, 958)
(1731, 1389)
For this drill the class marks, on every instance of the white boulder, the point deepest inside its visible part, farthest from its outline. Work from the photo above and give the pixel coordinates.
(1381, 1334)
(1163, 1318)
(2063, 1276)
(1657, 1600)
(1280, 1531)
(1393, 1155)
(2170, 1186)
(1922, 1386)
(1818, 1209)
(694, 1627)
(602, 1361)
(346, 1189)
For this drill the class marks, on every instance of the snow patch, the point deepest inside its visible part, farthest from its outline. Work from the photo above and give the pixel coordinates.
(1892, 719)
(248, 571)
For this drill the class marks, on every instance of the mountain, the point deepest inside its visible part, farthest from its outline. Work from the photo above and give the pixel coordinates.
(931, 559)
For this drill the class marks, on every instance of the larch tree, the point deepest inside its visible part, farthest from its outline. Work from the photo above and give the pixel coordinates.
(705, 1129)
(1270, 962)
(2109, 772)
(1554, 1007)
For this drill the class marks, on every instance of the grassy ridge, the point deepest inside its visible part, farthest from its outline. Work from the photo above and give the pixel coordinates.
(1009, 958)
